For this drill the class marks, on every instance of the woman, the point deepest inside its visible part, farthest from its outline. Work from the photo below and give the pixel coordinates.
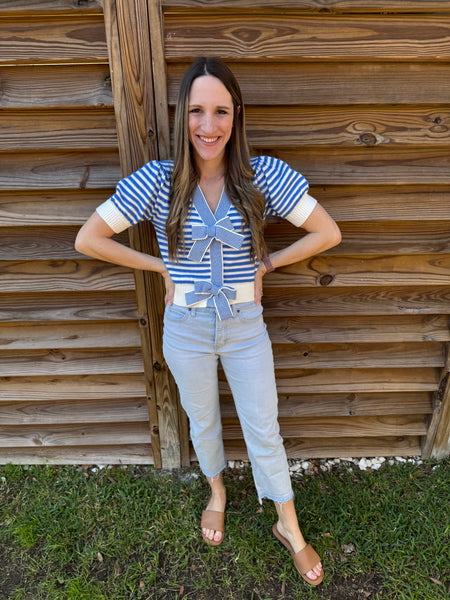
(208, 209)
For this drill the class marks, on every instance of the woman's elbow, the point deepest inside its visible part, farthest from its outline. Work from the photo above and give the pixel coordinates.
(336, 236)
(81, 244)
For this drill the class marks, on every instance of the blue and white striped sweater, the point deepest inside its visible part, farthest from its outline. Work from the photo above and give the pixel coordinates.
(143, 196)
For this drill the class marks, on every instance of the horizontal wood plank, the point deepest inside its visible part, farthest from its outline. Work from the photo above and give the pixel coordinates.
(66, 413)
(83, 434)
(298, 329)
(357, 301)
(35, 363)
(34, 336)
(73, 387)
(132, 454)
(54, 170)
(64, 275)
(58, 129)
(343, 82)
(322, 447)
(49, 6)
(338, 426)
(257, 36)
(378, 203)
(56, 39)
(410, 6)
(358, 126)
(384, 165)
(69, 306)
(344, 405)
(41, 208)
(372, 356)
(375, 237)
(345, 271)
(49, 243)
(75, 85)
(345, 381)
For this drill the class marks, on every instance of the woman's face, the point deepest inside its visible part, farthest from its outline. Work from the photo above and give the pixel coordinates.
(210, 120)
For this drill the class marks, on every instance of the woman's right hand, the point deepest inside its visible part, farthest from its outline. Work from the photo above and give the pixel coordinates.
(170, 288)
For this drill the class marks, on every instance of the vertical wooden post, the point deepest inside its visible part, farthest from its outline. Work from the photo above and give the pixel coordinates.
(128, 32)
(437, 442)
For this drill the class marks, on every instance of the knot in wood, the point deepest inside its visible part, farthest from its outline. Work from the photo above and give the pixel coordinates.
(368, 139)
(326, 279)
(157, 366)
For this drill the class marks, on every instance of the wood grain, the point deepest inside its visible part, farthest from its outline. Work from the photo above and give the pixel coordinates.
(58, 129)
(50, 6)
(48, 40)
(35, 336)
(259, 36)
(111, 454)
(45, 86)
(330, 84)
(358, 328)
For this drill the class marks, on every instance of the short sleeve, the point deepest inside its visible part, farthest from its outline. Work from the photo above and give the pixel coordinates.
(137, 197)
(285, 189)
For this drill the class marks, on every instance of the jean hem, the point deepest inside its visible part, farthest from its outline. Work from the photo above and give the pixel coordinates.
(216, 473)
(285, 499)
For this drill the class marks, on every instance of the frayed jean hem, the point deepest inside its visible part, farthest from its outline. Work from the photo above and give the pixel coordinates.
(215, 474)
(285, 499)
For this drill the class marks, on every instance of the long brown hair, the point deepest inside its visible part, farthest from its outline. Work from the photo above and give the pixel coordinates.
(247, 199)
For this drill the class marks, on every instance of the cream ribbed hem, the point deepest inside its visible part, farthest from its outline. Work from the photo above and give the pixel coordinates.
(302, 210)
(113, 217)
(245, 292)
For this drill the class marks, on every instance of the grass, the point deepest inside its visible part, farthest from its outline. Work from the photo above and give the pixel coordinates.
(73, 533)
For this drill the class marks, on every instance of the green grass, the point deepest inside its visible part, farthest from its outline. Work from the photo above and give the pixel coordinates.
(69, 533)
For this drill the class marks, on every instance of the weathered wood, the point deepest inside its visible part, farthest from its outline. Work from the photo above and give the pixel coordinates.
(75, 38)
(344, 405)
(321, 447)
(56, 86)
(372, 203)
(88, 306)
(74, 387)
(130, 55)
(344, 271)
(55, 170)
(76, 434)
(65, 275)
(73, 335)
(92, 361)
(375, 237)
(65, 413)
(264, 36)
(43, 208)
(58, 129)
(437, 442)
(374, 356)
(50, 6)
(348, 126)
(310, 5)
(375, 165)
(338, 426)
(357, 301)
(306, 329)
(343, 82)
(343, 381)
(133, 454)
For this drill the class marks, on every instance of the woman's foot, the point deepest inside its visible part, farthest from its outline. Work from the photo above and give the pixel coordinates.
(297, 543)
(287, 526)
(213, 516)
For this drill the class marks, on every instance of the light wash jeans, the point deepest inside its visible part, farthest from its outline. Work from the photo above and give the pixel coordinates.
(194, 340)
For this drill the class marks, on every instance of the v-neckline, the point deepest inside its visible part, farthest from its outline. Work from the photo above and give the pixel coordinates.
(213, 212)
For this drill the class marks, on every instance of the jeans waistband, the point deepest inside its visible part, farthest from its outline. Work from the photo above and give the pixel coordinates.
(245, 292)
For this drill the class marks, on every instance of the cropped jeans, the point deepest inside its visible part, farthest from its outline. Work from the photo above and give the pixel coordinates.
(194, 341)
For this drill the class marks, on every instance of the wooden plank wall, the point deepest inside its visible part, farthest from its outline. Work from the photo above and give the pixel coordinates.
(355, 95)
(71, 371)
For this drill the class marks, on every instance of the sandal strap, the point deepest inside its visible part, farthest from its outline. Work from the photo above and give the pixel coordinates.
(306, 559)
(213, 519)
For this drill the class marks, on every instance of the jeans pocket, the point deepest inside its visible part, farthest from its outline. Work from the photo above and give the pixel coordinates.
(176, 313)
(249, 311)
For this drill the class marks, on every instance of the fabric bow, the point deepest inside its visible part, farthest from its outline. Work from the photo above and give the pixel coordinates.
(221, 295)
(203, 236)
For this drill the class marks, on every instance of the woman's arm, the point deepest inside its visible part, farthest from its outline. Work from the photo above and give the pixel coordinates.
(323, 233)
(94, 239)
